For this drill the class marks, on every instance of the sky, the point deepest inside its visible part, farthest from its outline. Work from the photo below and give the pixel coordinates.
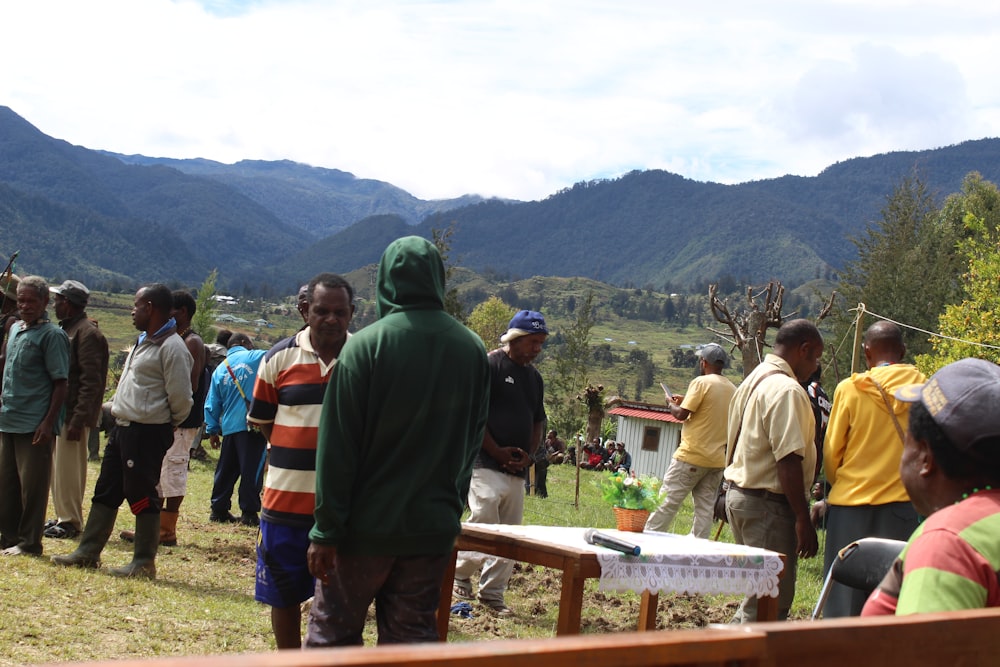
(506, 98)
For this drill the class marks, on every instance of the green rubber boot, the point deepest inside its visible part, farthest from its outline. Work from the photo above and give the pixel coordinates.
(147, 539)
(96, 533)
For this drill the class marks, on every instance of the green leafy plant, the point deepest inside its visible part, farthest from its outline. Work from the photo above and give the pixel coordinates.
(624, 490)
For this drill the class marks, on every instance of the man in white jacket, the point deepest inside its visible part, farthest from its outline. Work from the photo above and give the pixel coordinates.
(153, 396)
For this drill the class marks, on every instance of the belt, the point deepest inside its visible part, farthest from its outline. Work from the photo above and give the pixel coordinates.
(761, 493)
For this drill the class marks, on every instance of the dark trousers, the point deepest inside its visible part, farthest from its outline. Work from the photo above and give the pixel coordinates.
(25, 475)
(94, 444)
(130, 469)
(240, 458)
(541, 475)
(406, 591)
(847, 523)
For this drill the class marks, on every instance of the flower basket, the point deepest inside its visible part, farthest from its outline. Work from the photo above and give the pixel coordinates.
(631, 499)
(633, 521)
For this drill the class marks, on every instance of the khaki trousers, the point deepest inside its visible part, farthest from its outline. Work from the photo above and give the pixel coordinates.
(768, 524)
(69, 477)
(494, 497)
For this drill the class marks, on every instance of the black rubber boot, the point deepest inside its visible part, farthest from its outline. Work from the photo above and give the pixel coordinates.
(147, 539)
(96, 534)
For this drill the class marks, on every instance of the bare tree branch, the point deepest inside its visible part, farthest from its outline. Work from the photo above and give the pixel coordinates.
(750, 325)
(827, 309)
(721, 313)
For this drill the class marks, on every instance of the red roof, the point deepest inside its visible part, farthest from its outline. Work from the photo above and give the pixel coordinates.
(660, 415)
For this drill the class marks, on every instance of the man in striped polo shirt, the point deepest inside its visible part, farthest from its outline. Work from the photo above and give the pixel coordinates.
(951, 468)
(286, 405)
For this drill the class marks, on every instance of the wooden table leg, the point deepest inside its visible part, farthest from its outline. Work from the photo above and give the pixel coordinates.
(444, 606)
(767, 609)
(570, 601)
(647, 611)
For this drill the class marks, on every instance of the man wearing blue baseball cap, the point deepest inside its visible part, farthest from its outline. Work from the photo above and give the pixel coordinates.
(951, 468)
(513, 431)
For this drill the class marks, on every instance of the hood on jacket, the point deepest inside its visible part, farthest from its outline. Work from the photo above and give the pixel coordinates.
(164, 332)
(410, 277)
(891, 378)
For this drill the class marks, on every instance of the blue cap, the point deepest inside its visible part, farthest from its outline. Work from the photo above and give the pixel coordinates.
(525, 323)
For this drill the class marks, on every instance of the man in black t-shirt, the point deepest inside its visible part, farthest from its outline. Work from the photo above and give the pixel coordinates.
(513, 432)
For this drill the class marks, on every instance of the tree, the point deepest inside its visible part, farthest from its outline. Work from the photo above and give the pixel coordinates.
(906, 268)
(490, 319)
(593, 398)
(569, 362)
(975, 318)
(204, 316)
(442, 240)
(749, 325)
(683, 358)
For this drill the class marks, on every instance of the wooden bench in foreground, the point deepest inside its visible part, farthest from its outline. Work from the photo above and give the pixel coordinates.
(967, 638)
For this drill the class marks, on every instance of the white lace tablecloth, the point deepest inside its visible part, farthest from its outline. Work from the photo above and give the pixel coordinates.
(668, 563)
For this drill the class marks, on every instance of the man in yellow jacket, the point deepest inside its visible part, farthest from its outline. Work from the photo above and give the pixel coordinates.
(861, 453)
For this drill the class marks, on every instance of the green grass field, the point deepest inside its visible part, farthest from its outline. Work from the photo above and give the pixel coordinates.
(202, 601)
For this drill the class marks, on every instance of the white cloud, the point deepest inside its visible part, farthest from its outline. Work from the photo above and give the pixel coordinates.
(517, 98)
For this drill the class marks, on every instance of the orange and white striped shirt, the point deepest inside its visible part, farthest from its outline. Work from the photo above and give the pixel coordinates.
(288, 394)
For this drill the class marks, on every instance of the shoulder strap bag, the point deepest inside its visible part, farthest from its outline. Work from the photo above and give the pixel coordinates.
(719, 511)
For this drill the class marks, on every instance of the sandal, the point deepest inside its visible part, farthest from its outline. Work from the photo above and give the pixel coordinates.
(461, 593)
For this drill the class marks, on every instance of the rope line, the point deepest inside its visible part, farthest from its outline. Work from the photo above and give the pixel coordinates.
(862, 309)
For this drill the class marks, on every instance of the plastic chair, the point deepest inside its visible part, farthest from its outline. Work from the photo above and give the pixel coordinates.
(861, 564)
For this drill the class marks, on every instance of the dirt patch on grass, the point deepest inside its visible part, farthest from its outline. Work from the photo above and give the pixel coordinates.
(534, 594)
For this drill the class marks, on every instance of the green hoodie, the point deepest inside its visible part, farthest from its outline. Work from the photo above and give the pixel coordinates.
(403, 418)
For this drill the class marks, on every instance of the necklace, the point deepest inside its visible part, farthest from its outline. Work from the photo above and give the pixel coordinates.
(965, 496)
(183, 334)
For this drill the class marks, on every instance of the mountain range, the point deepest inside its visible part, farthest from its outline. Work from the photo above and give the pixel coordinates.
(117, 220)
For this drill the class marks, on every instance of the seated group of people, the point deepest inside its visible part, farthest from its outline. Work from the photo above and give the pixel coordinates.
(609, 456)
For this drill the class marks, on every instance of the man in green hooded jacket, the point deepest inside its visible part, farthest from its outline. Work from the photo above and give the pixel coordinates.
(402, 421)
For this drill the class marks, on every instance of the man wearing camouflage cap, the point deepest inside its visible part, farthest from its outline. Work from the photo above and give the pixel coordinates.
(701, 456)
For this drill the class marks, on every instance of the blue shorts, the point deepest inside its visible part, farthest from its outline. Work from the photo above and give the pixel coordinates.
(283, 578)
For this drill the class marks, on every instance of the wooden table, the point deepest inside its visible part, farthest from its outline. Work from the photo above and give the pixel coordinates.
(577, 563)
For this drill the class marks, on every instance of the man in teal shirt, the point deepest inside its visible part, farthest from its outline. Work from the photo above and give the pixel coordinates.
(35, 363)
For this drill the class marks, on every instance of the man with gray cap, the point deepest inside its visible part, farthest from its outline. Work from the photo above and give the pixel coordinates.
(701, 456)
(88, 372)
(513, 432)
(951, 469)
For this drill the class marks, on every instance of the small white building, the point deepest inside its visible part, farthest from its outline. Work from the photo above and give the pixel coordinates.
(650, 433)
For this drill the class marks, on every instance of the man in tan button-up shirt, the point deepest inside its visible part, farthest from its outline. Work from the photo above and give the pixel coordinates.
(773, 458)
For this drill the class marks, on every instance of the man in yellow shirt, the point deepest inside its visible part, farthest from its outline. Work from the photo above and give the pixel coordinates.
(701, 456)
(861, 453)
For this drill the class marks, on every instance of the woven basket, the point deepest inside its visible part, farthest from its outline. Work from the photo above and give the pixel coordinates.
(634, 521)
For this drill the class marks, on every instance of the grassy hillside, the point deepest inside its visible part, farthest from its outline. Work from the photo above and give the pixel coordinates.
(628, 323)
